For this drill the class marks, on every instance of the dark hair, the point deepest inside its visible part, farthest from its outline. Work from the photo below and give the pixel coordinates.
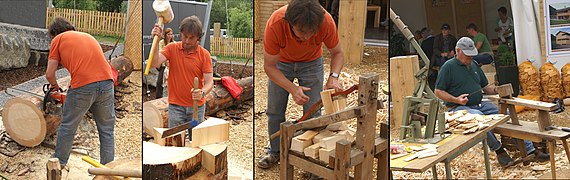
(166, 31)
(472, 26)
(59, 25)
(306, 14)
(192, 25)
(502, 9)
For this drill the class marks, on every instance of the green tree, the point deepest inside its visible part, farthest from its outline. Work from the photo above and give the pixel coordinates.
(241, 22)
(109, 5)
(79, 4)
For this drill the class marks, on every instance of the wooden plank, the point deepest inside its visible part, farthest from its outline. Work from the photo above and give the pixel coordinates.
(527, 103)
(333, 118)
(300, 145)
(213, 130)
(312, 151)
(327, 101)
(351, 26)
(529, 129)
(308, 135)
(310, 167)
(214, 158)
(402, 82)
(342, 161)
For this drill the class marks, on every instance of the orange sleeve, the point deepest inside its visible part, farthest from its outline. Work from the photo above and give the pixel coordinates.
(331, 35)
(270, 42)
(54, 49)
(166, 50)
(207, 64)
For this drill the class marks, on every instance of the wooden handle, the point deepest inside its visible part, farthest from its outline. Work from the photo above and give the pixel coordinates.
(151, 55)
(99, 165)
(195, 114)
(115, 172)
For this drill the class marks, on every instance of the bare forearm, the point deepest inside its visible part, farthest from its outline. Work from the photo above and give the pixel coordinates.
(50, 71)
(208, 83)
(445, 96)
(490, 89)
(337, 61)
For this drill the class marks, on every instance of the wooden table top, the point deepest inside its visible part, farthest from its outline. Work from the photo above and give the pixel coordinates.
(447, 147)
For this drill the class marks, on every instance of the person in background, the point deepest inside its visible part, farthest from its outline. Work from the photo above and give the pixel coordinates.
(505, 28)
(427, 44)
(163, 70)
(485, 55)
(443, 49)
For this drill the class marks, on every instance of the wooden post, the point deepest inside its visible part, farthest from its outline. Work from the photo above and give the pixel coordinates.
(53, 169)
(217, 30)
(402, 83)
(383, 166)
(351, 27)
(286, 169)
(366, 125)
(342, 161)
(543, 120)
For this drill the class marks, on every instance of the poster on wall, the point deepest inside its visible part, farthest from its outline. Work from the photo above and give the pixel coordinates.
(557, 14)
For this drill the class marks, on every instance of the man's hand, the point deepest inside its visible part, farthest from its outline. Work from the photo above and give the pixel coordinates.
(298, 94)
(197, 94)
(332, 83)
(462, 99)
(54, 86)
(156, 31)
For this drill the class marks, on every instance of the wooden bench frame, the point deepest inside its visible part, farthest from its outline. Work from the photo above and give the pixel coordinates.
(367, 147)
(533, 131)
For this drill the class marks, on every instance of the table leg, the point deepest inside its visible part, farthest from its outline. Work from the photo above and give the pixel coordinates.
(551, 147)
(486, 156)
(434, 172)
(447, 169)
(566, 149)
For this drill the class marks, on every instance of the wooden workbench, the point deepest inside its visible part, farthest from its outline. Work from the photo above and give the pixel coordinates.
(448, 149)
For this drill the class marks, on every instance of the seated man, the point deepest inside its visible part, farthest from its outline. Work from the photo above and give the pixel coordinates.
(459, 76)
(443, 49)
(485, 55)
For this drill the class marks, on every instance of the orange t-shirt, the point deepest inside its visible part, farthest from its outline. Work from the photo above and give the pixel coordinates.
(279, 39)
(183, 68)
(82, 56)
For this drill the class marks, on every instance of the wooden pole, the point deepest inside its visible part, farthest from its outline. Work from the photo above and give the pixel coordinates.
(53, 169)
(351, 25)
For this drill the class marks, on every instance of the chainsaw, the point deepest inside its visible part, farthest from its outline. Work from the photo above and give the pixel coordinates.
(53, 99)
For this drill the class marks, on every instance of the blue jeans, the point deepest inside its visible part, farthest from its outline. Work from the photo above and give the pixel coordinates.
(309, 74)
(483, 59)
(487, 108)
(99, 97)
(182, 114)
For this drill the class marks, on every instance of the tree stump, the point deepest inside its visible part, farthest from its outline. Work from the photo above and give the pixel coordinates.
(162, 162)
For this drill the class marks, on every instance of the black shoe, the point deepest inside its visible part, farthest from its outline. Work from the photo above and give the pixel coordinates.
(268, 161)
(541, 156)
(504, 159)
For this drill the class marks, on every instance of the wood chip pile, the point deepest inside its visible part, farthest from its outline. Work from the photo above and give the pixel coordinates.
(462, 122)
(566, 79)
(551, 82)
(528, 77)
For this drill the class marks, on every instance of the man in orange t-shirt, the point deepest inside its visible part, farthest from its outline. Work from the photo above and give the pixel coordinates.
(293, 40)
(91, 87)
(187, 59)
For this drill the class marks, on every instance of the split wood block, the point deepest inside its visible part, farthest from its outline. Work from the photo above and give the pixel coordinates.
(330, 142)
(214, 158)
(53, 169)
(327, 101)
(339, 126)
(166, 162)
(299, 145)
(349, 135)
(490, 77)
(324, 154)
(567, 101)
(155, 114)
(178, 139)
(312, 151)
(505, 90)
(308, 135)
(340, 104)
(402, 83)
(211, 131)
(322, 134)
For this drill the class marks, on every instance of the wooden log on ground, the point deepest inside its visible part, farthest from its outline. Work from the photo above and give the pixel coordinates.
(211, 131)
(161, 162)
(121, 164)
(24, 119)
(155, 112)
(214, 159)
(53, 169)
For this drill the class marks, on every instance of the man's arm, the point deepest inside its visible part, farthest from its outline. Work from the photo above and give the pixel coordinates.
(437, 47)
(478, 45)
(198, 94)
(337, 61)
(158, 58)
(462, 99)
(275, 75)
(490, 89)
(50, 73)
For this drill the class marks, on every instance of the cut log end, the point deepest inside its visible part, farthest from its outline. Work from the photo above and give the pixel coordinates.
(170, 162)
(25, 122)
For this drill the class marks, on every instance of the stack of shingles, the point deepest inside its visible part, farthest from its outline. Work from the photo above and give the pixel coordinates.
(462, 122)
(319, 145)
(551, 82)
(528, 76)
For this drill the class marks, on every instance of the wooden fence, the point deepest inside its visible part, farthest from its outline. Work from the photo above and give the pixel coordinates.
(93, 22)
(234, 47)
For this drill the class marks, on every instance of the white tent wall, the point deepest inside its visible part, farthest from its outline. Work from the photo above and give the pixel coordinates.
(526, 31)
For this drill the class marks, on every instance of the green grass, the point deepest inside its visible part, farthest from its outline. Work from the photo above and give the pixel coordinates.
(557, 21)
(108, 39)
(232, 59)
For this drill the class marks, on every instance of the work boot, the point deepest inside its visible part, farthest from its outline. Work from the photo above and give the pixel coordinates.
(504, 159)
(540, 156)
(268, 161)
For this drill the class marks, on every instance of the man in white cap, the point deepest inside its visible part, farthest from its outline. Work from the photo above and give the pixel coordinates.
(460, 76)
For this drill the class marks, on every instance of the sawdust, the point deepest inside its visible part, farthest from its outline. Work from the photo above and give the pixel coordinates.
(470, 165)
(376, 61)
(127, 139)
